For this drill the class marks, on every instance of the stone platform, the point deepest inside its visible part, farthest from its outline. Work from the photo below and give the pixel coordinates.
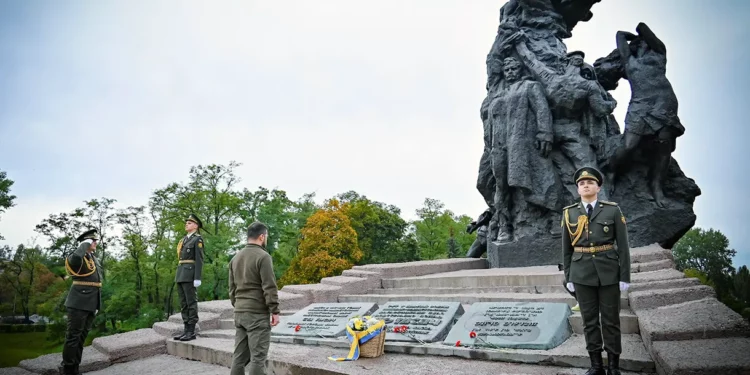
(671, 325)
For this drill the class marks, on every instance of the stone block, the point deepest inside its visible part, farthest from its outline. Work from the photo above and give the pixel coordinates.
(484, 278)
(132, 345)
(223, 308)
(315, 293)
(649, 253)
(424, 267)
(162, 365)
(14, 371)
(373, 278)
(292, 301)
(515, 325)
(649, 299)
(524, 252)
(348, 284)
(91, 360)
(652, 266)
(664, 284)
(206, 320)
(426, 321)
(719, 356)
(701, 319)
(322, 319)
(169, 329)
(666, 274)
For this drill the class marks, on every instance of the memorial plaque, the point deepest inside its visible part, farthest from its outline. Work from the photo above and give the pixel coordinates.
(428, 321)
(322, 319)
(519, 325)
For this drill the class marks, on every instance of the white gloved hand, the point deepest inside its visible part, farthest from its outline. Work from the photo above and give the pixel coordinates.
(96, 312)
(571, 287)
(196, 283)
(624, 286)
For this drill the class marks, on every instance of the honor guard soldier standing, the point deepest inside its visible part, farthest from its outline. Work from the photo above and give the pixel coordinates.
(596, 261)
(84, 299)
(188, 277)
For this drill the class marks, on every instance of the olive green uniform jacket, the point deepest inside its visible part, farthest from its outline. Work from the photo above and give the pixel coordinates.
(83, 266)
(606, 226)
(190, 252)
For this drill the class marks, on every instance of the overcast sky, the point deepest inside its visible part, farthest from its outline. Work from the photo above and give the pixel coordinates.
(116, 99)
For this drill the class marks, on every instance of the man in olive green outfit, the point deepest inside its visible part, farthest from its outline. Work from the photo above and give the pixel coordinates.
(84, 299)
(596, 261)
(253, 293)
(188, 277)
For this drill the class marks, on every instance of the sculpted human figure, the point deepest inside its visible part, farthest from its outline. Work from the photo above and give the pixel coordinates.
(652, 112)
(521, 122)
(572, 97)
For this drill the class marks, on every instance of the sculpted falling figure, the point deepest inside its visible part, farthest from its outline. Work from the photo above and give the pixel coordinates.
(651, 122)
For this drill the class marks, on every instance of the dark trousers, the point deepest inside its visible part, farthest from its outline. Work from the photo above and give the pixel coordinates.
(79, 325)
(604, 300)
(188, 302)
(251, 342)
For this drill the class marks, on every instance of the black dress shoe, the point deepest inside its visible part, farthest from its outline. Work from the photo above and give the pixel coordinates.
(597, 364)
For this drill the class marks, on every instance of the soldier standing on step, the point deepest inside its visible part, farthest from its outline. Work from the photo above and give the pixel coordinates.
(188, 277)
(84, 299)
(596, 261)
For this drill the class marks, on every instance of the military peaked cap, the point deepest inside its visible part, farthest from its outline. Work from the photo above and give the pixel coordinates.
(589, 173)
(195, 219)
(89, 234)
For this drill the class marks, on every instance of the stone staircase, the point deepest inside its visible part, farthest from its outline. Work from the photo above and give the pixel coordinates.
(670, 324)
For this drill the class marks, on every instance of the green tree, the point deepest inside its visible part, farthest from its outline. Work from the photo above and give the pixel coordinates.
(742, 285)
(708, 252)
(6, 199)
(19, 269)
(433, 230)
(379, 228)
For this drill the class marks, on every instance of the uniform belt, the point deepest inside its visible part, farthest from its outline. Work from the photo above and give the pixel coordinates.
(186, 261)
(593, 249)
(87, 283)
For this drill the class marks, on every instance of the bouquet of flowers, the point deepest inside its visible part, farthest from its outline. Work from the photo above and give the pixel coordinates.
(362, 324)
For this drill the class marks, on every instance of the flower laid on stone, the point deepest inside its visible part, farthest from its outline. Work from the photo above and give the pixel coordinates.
(297, 328)
(472, 334)
(458, 343)
(362, 324)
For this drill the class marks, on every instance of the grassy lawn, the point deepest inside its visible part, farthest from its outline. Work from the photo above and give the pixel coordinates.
(19, 346)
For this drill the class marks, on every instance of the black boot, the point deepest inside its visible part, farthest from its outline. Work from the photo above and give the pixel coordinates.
(613, 361)
(597, 365)
(181, 334)
(189, 333)
(68, 370)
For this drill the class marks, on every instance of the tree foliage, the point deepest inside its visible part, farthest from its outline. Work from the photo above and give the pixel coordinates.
(6, 199)
(327, 248)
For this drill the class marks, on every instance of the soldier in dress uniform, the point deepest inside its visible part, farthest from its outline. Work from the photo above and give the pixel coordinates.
(84, 299)
(188, 277)
(596, 261)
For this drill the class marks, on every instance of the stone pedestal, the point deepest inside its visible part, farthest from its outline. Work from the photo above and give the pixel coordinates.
(528, 251)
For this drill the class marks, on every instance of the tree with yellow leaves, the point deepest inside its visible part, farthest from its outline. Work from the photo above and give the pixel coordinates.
(328, 247)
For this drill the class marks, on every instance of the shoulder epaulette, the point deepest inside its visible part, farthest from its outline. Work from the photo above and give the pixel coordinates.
(571, 206)
(609, 203)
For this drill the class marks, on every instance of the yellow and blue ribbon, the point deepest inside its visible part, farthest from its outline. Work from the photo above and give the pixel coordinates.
(357, 338)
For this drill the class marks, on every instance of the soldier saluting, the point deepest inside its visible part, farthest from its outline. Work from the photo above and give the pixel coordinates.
(188, 277)
(596, 261)
(84, 299)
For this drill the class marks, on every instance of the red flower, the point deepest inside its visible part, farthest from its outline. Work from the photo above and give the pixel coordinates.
(297, 328)
(458, 343)
(404, 328)
(472, 334)
(397, 329)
